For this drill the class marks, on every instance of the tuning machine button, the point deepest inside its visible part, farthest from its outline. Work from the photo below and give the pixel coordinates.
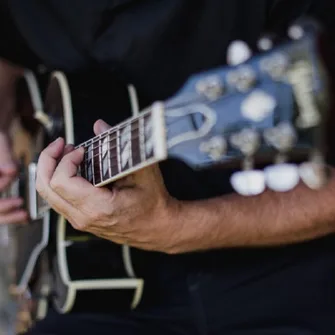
(211, 87)
(313, 175)
(238, 52)
(265, 43)
(248, 182)
(244, 77)
(296, 32)
(282, 177)
(215, 147)
(315, 172)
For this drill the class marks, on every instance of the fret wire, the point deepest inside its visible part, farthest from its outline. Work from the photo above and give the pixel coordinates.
(130, 147)
(92, 164)
(135, 124)
(87, 160)
(113, 147)
(115, 129)
(100, 158)
(142, 139)
(112, 138)
(112, 157)
(109, 156)
(118, 155)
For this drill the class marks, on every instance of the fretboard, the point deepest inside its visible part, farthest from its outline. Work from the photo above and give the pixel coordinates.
(132, 145)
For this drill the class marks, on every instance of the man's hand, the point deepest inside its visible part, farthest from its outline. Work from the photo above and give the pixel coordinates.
(10, 211)
(136, 210)
(139, 212)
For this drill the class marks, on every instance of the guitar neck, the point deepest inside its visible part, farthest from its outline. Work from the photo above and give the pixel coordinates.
(126, 148)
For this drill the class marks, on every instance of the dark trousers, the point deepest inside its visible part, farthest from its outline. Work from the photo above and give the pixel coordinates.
(287, 291)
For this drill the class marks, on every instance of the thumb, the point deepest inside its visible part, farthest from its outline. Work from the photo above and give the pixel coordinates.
(100, 126)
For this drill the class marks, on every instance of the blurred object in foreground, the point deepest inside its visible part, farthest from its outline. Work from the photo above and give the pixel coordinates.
(8, 304)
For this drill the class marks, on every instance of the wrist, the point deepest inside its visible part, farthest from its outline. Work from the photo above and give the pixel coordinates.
(191, 223)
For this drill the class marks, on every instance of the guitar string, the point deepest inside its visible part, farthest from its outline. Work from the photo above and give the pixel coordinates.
(98, 164)
(88, 158)
(113, 130)
(147, 113)
(111, 156)
(91, 147)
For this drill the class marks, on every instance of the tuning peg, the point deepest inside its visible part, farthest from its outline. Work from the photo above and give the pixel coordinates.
(215, 147)
(265, 43)
(238, 52)
(313, 175)
(248, 183)
(282, 177)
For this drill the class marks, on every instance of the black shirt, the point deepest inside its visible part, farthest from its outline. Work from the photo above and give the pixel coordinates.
(156, 45)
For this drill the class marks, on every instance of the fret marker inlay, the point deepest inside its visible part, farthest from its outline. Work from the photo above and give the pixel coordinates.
(105, 160)
(149, 141)
(126, 154)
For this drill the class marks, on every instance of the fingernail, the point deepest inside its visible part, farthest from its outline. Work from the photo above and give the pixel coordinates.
(68, 147)
(81, 150)
(103, 126)
(56, 141)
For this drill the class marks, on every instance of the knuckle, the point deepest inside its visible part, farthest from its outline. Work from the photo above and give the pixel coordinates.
(82, 225)
(94, 216)
(55, 184)
(39, 186)
(79, 222)
(67, 159)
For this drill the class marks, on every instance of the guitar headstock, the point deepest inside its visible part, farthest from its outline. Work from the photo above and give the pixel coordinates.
(264, 109)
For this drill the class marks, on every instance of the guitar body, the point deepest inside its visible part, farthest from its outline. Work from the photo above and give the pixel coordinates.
(31, 240)
(80, 264)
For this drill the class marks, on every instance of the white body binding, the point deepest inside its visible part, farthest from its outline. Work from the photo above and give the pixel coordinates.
(97, 284)
(38, 109)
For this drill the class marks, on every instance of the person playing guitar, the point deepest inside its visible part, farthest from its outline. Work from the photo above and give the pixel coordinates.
(213, 261)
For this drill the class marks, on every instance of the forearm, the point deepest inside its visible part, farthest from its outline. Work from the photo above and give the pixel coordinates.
(266, 220)
(8, 77)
